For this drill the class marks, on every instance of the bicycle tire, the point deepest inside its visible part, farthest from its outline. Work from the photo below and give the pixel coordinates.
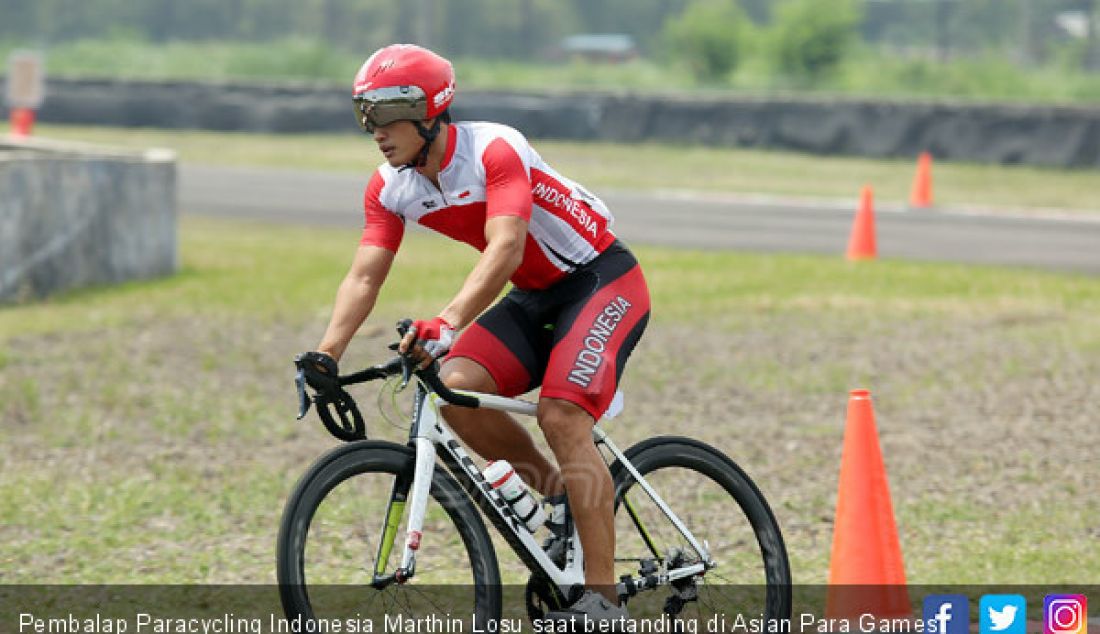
(317, 538)
(718, 503)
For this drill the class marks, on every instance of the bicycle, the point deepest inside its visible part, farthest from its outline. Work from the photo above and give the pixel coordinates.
(340, 525)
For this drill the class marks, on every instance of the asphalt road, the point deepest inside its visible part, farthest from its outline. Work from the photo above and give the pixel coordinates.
(332, 199)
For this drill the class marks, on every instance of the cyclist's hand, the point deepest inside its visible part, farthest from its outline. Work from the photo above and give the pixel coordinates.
(320, 369)
(435, 336)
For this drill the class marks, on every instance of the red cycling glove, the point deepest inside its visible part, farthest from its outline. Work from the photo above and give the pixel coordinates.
(435, 335)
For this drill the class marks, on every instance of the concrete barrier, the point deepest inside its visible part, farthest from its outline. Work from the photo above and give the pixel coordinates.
(74, 215)
(1056, 136)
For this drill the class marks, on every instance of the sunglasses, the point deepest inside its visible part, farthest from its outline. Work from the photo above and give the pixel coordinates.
(383, 106)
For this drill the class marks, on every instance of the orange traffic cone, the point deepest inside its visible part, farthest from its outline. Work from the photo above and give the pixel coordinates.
(22, 121)
(921, 194)
(861, 244)
(866, 573)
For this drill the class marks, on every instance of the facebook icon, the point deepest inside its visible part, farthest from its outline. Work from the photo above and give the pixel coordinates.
(946, 614)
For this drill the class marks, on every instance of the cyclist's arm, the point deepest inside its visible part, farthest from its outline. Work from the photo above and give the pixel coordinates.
(382, 232)
(505, 236)
(355, 297)
(507, 212)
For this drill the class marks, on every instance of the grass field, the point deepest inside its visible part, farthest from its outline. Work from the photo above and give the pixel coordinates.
(603, 166)
(149, 434)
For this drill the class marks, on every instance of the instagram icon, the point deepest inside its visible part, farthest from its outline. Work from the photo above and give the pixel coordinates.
(1065, 614)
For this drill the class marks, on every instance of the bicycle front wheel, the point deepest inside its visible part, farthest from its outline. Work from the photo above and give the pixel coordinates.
(344, 528)
(725, 512)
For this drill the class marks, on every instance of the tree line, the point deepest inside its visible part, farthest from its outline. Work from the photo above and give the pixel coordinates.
(708, 36)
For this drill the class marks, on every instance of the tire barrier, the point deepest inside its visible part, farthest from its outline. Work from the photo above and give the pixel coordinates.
(72, 216)
(1056, 136)
(1035, 135)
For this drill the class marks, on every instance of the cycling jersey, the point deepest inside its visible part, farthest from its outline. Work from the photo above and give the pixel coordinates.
(489, 170)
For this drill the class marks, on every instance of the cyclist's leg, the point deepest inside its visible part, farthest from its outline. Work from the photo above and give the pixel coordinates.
(568, 430)
(594, 336)
(596, 333)
(495, 435)
(503, 352)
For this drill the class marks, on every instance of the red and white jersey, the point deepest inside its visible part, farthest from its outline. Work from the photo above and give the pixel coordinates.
(490, 170)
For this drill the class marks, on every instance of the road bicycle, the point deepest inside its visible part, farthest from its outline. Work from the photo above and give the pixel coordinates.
(694, 535)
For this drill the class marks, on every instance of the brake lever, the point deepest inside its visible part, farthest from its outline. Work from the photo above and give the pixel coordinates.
(406, 369)
(406, 372)
(303, 398)
(407, 364)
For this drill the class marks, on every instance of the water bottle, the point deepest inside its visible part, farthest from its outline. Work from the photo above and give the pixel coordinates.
(502, 477)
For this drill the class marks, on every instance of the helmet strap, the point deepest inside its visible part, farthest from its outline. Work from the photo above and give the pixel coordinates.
(429, 135)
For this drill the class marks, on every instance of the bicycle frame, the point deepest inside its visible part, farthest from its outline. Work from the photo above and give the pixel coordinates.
(431, 437)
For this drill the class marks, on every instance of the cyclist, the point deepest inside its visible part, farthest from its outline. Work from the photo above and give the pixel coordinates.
(577, 306)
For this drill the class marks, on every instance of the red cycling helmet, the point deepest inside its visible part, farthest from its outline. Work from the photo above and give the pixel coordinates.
(402, 82)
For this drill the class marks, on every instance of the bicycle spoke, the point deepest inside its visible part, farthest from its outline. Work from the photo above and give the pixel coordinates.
(343, 531)
(700, 490)
(439, 609)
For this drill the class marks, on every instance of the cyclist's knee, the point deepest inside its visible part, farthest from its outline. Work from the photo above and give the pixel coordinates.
(564, 424)
(460, 373)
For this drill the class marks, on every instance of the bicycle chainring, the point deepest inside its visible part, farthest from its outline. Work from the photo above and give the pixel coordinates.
(541, 596)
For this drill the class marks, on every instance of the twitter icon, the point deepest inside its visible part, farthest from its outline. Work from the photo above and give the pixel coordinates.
(1003, 614)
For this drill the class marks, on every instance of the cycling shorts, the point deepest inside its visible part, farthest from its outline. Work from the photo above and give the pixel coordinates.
(572, 338)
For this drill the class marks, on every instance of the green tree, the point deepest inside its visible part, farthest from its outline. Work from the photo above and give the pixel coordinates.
(708, 37)
(503, 29)
(809, 40)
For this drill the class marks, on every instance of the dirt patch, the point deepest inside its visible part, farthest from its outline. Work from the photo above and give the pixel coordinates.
(178, 439)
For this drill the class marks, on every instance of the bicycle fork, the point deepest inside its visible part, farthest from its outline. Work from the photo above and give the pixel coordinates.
(413, 497)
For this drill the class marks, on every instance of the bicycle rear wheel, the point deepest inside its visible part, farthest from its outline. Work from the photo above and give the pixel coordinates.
(728, 516)
(330, 543)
